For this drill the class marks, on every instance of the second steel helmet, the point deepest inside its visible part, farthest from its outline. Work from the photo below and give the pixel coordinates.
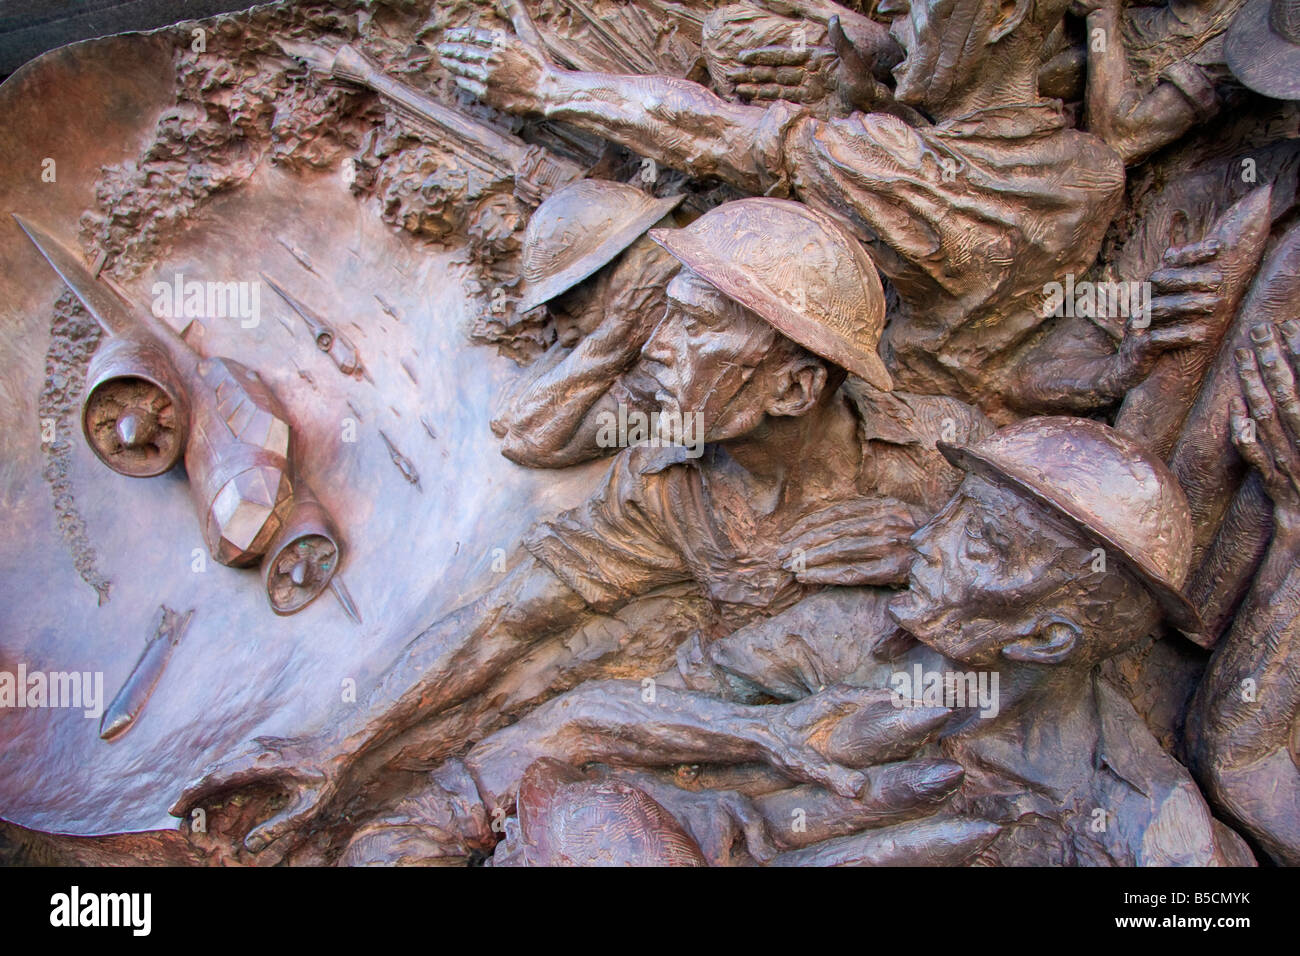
(1111, 489)
(798, 269)
(1262, 47)
(580, 228)
(566, 819)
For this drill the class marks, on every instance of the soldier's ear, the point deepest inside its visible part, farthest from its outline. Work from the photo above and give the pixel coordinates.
(1053, 641)
(1010, 14)
(799, 385)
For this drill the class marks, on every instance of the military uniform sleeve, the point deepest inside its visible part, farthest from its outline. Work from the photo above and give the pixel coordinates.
(1197, 84)
(872, 170)
(617, 545)
(639, 284)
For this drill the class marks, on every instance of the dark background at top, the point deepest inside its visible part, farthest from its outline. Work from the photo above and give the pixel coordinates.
(30, 27)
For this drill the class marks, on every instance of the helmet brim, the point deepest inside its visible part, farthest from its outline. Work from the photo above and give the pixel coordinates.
(740, 285)
(1258, 57)
(541, 292)
(1178, 610)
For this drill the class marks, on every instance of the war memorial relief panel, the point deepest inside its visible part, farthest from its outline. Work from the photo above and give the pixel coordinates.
(655, 432)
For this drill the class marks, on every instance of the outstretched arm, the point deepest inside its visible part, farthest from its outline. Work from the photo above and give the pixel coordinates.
(675, 122)
(821, 739)
(448, 662)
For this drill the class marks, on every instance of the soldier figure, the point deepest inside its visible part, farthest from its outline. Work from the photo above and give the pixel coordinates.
(1064, 545)
(587, 258)
(783, 453)
(969, 218)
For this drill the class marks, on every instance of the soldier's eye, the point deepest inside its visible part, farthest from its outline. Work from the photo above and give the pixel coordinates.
(975, 528)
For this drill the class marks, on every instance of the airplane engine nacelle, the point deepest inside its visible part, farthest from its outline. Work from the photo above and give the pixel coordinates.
(303, 557)
(136, 414)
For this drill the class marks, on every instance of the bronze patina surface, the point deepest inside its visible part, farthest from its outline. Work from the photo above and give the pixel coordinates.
(761, 434)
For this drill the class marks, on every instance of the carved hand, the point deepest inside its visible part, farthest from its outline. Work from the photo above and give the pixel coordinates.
(863, 541)
(809, 74)
(1266, 425)
(287, 769)
(498, 68)
(1186, 291)
(782, 72)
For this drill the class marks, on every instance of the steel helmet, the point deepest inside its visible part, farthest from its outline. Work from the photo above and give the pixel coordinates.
(798, 269)
(580, 228)
(1262, 47)
(1108, 487)
(566, 819)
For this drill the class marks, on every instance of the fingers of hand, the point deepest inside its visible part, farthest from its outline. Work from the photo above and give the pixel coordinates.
(1179, 336)
(464, 69)
(845, 550)
(864, 511)
(774, 56)
(1279, 379)
(913, 785)
(1193, 254)
(1264, 413)
(463, 52)
(475, 35)
(767, 91)
(758, 75)
(1243, 437)
(1259, 402)
(1181, 305)
(1187, 279)
(1290, 330)
(475, 88)
(882, 732)
(845, 782)
(263, 835)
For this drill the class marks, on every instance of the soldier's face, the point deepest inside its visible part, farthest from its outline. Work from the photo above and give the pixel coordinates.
(702, 355)
(988, 572)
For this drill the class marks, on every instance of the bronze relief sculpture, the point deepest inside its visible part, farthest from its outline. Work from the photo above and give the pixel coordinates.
(764, 434)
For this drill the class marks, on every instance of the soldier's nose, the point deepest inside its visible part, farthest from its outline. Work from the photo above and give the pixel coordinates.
(298, 575)
(658, 352)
